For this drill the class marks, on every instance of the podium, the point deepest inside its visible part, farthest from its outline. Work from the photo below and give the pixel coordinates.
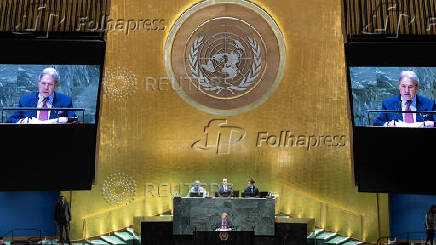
(201, 214)
(224, 237)
(421, 116)
(58, 111)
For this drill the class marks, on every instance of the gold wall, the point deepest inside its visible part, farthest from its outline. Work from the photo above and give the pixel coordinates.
(146, 135)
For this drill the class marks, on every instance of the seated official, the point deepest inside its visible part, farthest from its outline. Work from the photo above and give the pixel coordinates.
(197, 189)
(225, 190)
(252, 189)
(46, 97)
(224, 224)
(407, 100)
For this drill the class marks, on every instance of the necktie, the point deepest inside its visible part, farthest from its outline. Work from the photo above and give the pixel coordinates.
(408, 117)
(224, 225)
(251, 189)
(43, 115)
(225, 188)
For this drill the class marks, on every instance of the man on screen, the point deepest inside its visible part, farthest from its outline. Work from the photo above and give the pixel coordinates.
(46, 97)
(407, 100)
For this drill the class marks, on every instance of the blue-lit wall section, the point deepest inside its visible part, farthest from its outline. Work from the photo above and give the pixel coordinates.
(407, 213)
(30, 210)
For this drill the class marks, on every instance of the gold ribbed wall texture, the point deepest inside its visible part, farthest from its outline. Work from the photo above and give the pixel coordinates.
(148, 131)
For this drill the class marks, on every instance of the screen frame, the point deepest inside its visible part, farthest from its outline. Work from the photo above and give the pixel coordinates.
(77, 156)
(380, 173)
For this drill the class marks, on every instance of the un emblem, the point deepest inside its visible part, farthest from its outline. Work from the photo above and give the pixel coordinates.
(224, 236)
(228, 62)
(225, 57)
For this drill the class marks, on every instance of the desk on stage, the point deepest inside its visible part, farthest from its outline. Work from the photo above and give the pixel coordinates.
(201, 214)
(224, 237)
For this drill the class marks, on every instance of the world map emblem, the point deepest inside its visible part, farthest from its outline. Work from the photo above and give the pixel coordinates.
(225, 57)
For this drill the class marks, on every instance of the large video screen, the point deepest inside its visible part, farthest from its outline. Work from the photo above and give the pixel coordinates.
(393, 96)
(48, 94)
(49, 104)
(392, 91)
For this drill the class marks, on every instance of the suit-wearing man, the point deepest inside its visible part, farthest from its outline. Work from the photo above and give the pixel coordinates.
(62, 218)
(430, 222)
(252, 189)
(407, 100)
(46, 97)
(225, 190)
(224, 223)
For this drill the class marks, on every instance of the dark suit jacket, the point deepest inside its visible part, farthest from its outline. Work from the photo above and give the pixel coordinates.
(62, 213)
(394, 103)
(221, 190)
(255, 190)
(31, 100)
(218, 225)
